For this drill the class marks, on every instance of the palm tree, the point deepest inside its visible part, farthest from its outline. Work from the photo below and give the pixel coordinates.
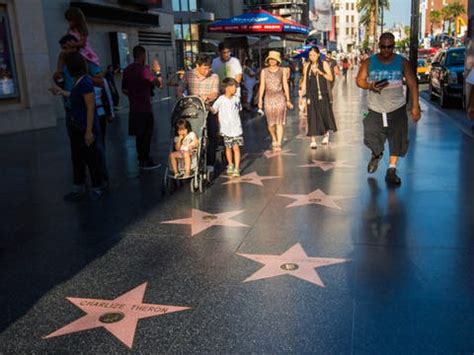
(455, 9)
(445, 16)
(370, 16)
(435, 20)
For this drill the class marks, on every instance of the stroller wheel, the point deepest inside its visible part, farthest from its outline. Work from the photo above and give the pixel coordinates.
(193, 185)
(201, 184)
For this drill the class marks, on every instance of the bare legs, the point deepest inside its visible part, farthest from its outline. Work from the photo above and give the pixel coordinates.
(276, 132)
(186, 156)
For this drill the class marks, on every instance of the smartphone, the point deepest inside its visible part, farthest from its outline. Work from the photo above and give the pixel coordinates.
(381, 82)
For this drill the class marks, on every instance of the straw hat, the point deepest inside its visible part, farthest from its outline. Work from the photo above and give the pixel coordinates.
(273, 55)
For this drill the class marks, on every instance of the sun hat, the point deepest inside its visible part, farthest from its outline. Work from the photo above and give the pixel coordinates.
(273, 55)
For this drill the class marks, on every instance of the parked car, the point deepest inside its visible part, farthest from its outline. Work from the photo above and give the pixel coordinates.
(447, 75)
(422, 71)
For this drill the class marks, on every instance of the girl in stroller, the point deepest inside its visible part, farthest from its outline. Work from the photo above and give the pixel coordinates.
(185, 143)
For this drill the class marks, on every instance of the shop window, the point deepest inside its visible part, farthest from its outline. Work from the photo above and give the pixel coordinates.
(8, 80)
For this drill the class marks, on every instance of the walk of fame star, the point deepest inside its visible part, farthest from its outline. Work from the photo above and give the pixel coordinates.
(316, 197)
(326, 165)
(118, 316)
(272, 154)
(251, 178)
(294, 262)
(201, 220)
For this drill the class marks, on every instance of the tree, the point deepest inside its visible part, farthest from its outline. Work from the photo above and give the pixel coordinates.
(371, 16)
(435, 20)
(455, 10)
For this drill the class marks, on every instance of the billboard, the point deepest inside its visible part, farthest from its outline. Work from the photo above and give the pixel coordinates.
(320, 14)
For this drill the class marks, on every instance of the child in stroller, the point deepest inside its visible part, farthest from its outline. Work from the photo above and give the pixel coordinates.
(186, 143)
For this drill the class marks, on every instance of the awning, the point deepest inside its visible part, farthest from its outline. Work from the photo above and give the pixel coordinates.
(258, 22)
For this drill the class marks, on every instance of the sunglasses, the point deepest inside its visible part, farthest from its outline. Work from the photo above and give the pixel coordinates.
(387, 47)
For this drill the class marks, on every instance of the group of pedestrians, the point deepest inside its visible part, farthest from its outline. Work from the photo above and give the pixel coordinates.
(90, 97)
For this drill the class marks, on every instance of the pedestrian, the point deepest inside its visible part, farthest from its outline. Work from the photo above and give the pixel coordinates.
(316, 79)
(382, 74)
(275, 94)
(249, 82)
(186, 143)
(201, 82)
(345, 67)
(226, 66)
(103, 104)
(228, 108)
(335, 73)
(110, 76)
(84, 130)
(78, 28)
(137, 83)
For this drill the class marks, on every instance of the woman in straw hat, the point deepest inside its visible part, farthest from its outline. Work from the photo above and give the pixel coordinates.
(316, 79)
(275, 93)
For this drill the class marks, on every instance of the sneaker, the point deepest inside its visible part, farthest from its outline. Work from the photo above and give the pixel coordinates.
(313, 145)
(149, 165)
(325, 140)
(373, 163)
(97, 193)
(236, 173)
(391, 177)
(230, 170)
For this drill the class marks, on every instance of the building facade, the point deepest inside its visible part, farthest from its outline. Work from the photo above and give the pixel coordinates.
(189, 17)
(296, 10)
(29, 35)
(430, 5)
(346, 25)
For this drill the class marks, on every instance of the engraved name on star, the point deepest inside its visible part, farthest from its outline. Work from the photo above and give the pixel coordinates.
(201, 220)
(119, 316)
(294, 262)
(251, 178)
(326, 165)
(316, 197)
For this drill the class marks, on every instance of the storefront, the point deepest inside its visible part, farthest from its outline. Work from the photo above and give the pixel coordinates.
(8, 78)
(29, 48)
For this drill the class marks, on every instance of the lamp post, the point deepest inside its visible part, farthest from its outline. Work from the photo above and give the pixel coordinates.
(415, 25)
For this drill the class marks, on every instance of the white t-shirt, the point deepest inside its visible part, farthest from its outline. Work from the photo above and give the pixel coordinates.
(187, 141)
(229, 69)
(229, 117)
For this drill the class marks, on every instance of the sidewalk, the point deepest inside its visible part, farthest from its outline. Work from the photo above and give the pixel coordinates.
(299, 256)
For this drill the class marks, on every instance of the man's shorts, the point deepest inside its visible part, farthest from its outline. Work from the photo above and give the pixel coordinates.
(229, 142)
(396, 133)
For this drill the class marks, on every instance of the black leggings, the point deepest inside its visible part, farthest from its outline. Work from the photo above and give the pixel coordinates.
(85, 157)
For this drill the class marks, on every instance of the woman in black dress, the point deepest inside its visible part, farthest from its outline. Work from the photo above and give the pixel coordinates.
(317, 74)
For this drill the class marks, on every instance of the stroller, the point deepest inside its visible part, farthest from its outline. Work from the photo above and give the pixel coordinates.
(192, 109)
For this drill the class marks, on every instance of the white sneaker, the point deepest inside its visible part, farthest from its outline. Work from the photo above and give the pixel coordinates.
(313, 145)
(325, 140)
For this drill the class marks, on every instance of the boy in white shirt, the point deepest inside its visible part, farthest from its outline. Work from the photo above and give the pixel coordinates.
(228, 107)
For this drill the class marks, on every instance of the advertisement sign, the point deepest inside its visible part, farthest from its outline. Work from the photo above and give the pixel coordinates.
(320, 14)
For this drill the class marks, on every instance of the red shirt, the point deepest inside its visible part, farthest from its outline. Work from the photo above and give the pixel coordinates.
(139, 81)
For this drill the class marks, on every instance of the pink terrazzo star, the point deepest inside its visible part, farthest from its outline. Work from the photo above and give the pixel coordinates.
(293, 262)
(316, 197)
(272, 154)
(201, 220)
(118, 316)
(326, 165)
(251, 178)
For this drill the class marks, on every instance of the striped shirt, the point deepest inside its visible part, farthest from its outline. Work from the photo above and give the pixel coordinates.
(199, 85)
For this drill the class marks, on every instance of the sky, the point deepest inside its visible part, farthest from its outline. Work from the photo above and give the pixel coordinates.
(399, 12)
